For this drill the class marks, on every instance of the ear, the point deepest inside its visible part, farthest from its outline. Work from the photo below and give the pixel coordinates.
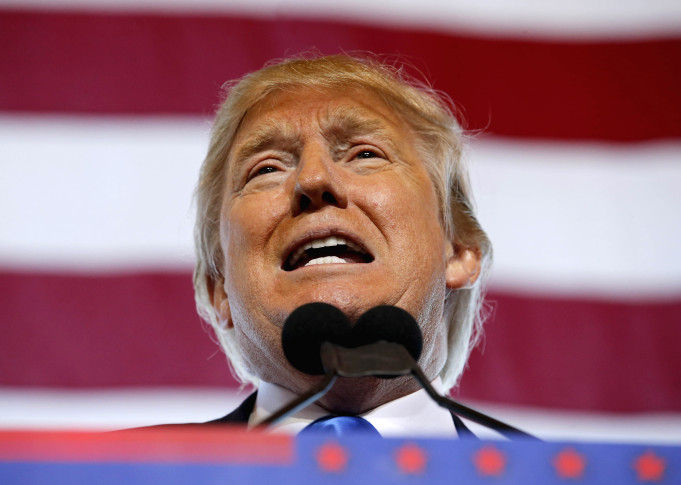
(463, 267)
(220, 302)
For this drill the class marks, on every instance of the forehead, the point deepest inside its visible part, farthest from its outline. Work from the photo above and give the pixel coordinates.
(349, 111)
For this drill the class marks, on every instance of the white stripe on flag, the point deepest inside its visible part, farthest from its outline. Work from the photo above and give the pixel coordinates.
(577, 18)
(583, 219)
(86, 193)
(82, 193)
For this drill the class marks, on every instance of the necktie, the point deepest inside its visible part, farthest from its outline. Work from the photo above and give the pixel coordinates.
(340, 426)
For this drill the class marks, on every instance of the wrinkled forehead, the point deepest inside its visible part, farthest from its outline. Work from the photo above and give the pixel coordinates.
(347, 107)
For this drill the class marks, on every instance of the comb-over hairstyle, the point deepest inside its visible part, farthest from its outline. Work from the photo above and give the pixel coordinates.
(440, 143)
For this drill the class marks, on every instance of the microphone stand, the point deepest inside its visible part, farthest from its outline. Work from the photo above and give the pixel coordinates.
(469, 413)
(336, 363)
(388, 359)
(383, 359)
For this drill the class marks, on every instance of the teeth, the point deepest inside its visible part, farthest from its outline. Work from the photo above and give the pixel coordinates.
(323, 243)
(326, 260)
(326, 242)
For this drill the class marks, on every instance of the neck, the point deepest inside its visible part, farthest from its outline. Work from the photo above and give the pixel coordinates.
(362, 394)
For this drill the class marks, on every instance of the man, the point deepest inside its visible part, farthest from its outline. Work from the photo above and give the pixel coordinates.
(338, 180)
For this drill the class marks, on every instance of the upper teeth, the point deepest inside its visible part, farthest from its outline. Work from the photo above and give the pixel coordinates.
(323, 243)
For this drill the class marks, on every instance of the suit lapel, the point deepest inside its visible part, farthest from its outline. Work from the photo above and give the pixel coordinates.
(240, 414)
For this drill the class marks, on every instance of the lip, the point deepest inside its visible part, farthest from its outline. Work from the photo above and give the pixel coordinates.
(321, 233)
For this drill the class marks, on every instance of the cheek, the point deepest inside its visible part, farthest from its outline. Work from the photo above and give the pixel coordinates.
(409, 215)
(248, 224)
(391, 201)
(243, 235)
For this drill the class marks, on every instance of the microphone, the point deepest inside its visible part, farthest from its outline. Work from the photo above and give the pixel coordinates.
(307, 328)
(390, 324)
(378, 338)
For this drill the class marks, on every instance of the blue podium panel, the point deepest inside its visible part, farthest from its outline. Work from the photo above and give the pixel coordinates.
(233, 456)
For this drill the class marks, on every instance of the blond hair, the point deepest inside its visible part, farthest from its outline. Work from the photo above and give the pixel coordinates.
(441, 141)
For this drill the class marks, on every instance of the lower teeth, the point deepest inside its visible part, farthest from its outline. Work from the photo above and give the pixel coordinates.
(325, 260)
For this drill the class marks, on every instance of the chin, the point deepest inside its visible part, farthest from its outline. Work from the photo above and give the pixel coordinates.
(353, 304)
(361, 394)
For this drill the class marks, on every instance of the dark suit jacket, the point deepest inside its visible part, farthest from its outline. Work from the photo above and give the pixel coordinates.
(243, 412)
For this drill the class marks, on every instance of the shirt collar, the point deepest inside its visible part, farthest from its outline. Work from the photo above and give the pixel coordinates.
(415, 414)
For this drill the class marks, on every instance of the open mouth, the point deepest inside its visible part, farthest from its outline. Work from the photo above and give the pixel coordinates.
(328, 250)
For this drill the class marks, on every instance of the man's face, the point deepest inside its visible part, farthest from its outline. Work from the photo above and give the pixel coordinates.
(340, 171)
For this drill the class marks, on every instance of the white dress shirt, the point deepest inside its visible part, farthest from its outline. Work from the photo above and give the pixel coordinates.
(415, 415)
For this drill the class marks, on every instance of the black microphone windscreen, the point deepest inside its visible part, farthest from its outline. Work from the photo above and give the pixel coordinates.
(391, 324)
(306, 328)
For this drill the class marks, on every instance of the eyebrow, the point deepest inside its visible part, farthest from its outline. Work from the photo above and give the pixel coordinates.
(266, 136)
(346, 123)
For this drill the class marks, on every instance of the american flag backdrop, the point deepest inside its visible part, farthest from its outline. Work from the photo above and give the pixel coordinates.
(575, 108)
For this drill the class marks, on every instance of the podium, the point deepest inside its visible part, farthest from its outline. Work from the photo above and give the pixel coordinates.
(230, 455)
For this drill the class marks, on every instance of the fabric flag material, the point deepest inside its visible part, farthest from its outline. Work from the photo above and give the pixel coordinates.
(575, 116)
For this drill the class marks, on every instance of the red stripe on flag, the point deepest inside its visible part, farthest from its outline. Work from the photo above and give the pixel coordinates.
(150, 63)
(119, 330)
(579, 354)
(143, 330)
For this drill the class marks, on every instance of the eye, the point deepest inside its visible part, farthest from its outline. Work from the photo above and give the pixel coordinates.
(264, 170)
(367, 154)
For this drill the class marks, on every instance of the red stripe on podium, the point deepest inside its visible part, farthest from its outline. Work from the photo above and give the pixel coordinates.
(164, 444)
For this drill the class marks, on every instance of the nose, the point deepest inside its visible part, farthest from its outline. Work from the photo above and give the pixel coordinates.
(318, 182)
